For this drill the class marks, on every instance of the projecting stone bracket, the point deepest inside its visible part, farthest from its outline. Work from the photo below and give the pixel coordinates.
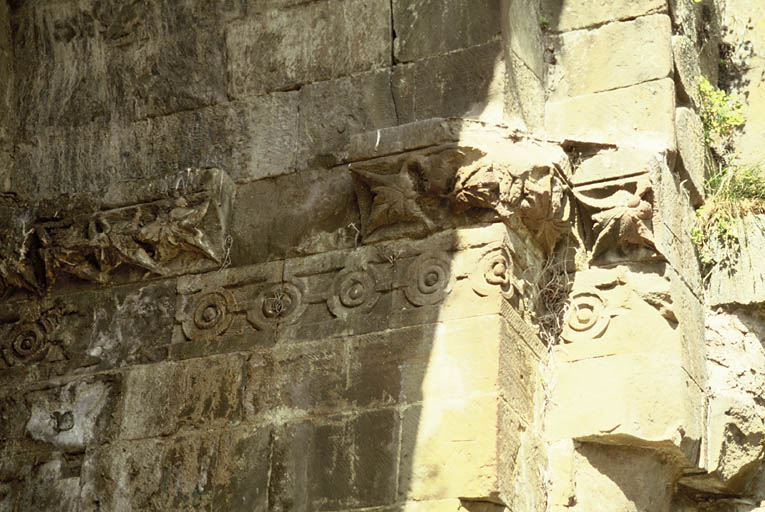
(167, 226)
(415, 179)
(455, 172)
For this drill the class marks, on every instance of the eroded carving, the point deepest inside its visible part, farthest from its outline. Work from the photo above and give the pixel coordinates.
(495, 270)
(394, 198)
(622, 218)
(587, 317)
(161, 237)
(506, 180)
(277, 303)
(31, 341)
(209, 314)
(532, 190)
(428, 279)
(353, 290)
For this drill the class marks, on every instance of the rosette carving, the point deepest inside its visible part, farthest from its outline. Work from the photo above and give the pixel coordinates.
(209, 314)
(495, 270)
(428, 279)
(277, 303)
(587, 318)
(353, 290)
(31, 342)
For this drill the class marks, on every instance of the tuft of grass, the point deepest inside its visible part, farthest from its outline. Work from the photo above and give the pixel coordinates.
(734, 192)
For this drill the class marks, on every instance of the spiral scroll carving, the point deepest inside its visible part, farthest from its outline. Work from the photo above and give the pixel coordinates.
(495, 270)
(587, 318)
(428, 279)
(28, 343)
(277, 303)
(209, 315)
(353, 290)
(31, 341)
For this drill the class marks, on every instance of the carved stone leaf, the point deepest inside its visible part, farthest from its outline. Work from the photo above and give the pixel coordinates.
(392, 205)
(624, 219)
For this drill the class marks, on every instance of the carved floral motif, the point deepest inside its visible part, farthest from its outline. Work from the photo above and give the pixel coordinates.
(391, 198)
(623, 218)
(159, 236)
(529, 189)
(495, 270)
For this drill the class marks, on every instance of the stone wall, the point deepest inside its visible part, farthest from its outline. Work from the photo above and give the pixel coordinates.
(370, 255)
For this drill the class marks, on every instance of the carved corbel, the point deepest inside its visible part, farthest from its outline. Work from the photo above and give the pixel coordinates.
(487, 177)
(522, 186)
(621, 212)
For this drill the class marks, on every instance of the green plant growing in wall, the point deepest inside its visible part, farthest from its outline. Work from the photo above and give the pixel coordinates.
(734, 192)
(720, 113)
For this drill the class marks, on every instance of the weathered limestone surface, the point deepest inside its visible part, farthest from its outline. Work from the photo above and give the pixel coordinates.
(639, 115)
(745, 283)
(736, 361)
(372, 255)
(425, 28)
(692, 151)
(564, 15)
(612, 56)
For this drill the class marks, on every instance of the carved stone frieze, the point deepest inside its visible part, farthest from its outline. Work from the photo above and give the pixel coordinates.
(488, 174)
(177, 224)
(352, 289)
(599, 296)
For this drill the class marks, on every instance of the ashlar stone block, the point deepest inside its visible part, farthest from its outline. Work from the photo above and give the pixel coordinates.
(277, 50)
(336, 462)
(564, 15)
(77, 415)
(639, 115)
(615, 383)
(465, 83)
(332, 111)
(185, 395)
(425, 28)
(612, 56)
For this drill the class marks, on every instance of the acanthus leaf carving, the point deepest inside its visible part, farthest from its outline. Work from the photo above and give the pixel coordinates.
(622, 218)
(184, 230)
(390, 198)
(531, 190)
